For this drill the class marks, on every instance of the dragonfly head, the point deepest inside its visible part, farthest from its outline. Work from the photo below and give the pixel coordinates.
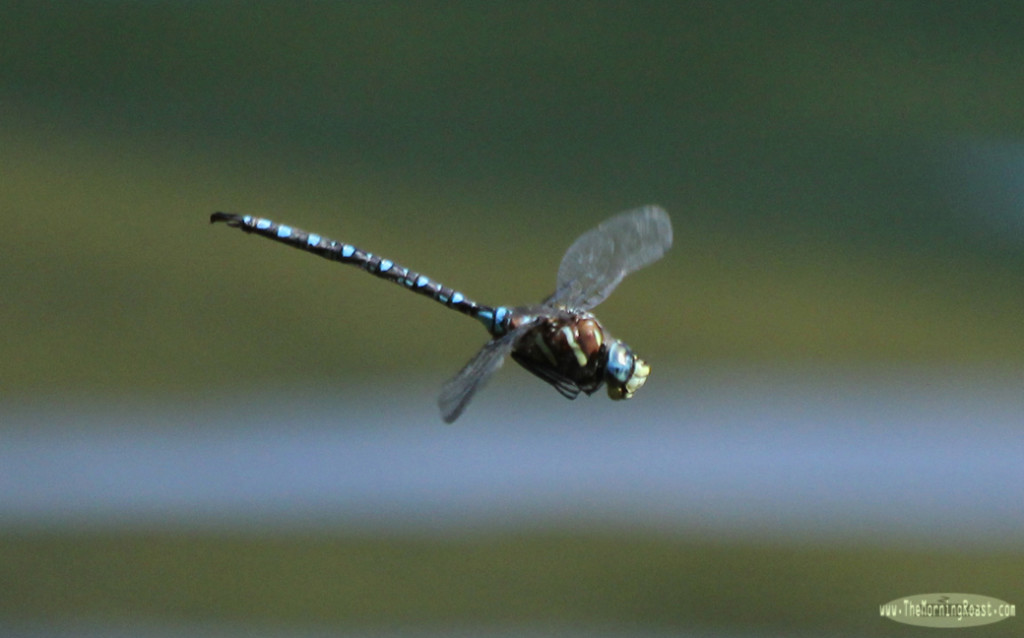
(624, 372)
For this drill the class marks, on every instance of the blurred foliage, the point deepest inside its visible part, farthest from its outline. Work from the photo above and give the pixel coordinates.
(811, 155)
(556, 579)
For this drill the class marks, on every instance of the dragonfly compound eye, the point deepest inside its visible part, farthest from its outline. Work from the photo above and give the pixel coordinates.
(625, 372)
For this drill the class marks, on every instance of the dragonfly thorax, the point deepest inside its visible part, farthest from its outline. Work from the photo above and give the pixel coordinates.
(572, 351)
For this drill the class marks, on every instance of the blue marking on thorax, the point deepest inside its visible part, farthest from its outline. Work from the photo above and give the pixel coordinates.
(264, 224)
(348, 250)
(313, 240)
(494, 321)
(284, 232)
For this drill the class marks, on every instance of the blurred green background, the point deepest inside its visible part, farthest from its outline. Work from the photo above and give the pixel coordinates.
(840, 176)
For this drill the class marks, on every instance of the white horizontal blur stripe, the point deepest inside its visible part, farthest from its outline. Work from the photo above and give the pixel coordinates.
(718, 453)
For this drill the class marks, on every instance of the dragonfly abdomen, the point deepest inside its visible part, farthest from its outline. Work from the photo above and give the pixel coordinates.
(373, 264)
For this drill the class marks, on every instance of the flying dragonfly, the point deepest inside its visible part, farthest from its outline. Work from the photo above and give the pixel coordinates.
(558, 340)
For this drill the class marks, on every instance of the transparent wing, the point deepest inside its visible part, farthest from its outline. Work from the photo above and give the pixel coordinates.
(601, 257)
(458, 390)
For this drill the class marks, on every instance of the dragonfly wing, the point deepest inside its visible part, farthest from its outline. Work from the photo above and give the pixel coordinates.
(458, 390)
(601, 257)
(565, 386)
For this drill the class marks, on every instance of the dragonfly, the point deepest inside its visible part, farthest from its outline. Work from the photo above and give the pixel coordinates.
(559, 340)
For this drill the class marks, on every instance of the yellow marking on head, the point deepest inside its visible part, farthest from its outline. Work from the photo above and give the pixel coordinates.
(640, 374)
